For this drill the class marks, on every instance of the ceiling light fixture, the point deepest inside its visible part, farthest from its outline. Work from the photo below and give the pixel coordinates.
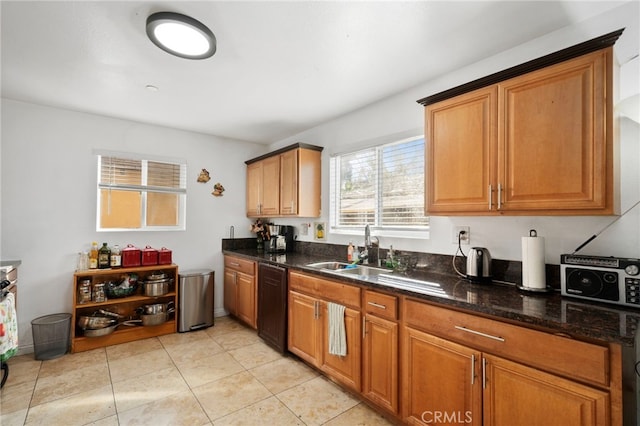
(181, 35)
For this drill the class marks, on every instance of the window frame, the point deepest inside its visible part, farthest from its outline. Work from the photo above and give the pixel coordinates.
(144, 189)
(408, 231)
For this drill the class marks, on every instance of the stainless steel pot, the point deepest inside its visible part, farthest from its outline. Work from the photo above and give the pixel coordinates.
(101, 331)
(157, 308)
(156, 287)
(154, 319)
(159, 275)
(95, 322)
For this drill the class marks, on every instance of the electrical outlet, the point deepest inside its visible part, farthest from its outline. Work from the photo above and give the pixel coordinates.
(465, 238)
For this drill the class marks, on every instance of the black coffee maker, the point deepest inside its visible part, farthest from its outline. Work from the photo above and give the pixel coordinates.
(281, 239)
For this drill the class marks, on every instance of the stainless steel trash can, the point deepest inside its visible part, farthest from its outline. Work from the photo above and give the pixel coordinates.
(195, 298)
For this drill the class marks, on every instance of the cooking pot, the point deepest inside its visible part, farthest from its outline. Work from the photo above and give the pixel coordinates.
(157, 308)
(479, 265)
(98, 332)
(154, 319)
(95, 322)
(156, 287)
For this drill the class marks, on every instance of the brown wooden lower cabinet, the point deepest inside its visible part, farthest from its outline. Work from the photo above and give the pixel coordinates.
(441, 381)
(308, 338)
(445, 382)
(240, 289)
(380, 362)
(516, 395)
(308, 327)
(427, 364)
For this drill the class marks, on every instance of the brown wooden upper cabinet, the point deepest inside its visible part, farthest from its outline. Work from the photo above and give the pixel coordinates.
(537, 143)
(285, 183)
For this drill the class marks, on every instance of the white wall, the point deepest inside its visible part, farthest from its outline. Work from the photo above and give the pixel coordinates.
(49, 198)
(401, 114)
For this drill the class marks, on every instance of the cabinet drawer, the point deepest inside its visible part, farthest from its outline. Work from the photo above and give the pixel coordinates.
(556, 354)
(240, 265)
(381, 305)
(344, 294)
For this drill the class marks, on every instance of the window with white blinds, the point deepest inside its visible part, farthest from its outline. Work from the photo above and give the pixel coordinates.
(382, 186)
(138, 193)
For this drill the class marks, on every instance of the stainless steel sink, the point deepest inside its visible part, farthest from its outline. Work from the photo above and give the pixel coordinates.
(348, 268)
(332, 266)
(362, 270)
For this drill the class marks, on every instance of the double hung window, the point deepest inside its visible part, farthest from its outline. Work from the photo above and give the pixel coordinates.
(382, 186)
(137, 192)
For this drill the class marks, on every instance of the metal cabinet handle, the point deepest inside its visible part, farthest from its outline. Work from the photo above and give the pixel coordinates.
(473, 368)
(234, 264)
(479, 333)
(364, 327)
(499, 196)
(315, 310)
(377, 305)
(484, 373)
(490, 197)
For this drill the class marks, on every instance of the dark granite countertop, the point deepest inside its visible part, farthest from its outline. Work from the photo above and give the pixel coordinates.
(544, 311)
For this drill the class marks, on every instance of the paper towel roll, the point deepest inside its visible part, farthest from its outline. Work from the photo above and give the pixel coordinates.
(533, 268)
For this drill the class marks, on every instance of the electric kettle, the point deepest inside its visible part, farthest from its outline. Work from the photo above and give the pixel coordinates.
(479, 265)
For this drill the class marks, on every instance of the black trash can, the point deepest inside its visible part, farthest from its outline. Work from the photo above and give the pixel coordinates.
(51, 335)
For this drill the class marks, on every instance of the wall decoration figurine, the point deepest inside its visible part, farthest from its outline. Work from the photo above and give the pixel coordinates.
(218, 189)
(203, 177)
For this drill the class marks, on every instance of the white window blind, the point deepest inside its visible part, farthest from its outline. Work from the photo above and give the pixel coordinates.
(138, 193)
(381, 186)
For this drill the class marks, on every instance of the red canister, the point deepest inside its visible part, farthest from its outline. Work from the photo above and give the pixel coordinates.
(149, 256)
(130, 256)
(164, 256)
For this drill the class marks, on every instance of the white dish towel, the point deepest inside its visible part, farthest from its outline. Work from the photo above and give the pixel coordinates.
(337, 332)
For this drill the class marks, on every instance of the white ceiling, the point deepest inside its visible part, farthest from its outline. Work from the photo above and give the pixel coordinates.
(280, 67)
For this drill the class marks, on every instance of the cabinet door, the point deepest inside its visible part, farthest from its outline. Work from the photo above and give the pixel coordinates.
(254, 189)
(518, 395)
(230, 291)
(289, 182)
(380, 362)
(460, 163)
(304, 327)
(246, 298)
(553, 137)
(270, 204)
(346, 368)
(441, 383)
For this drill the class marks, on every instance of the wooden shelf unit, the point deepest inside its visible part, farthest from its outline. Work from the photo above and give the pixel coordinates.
(125, 306)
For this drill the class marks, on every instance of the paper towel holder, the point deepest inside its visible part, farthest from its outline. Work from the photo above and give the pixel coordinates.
(546, 289)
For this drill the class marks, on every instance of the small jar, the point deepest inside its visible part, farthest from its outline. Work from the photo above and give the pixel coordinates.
(98, 293)
(84, 291)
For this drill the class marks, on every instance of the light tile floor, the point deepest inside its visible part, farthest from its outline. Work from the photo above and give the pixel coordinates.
(223, 375)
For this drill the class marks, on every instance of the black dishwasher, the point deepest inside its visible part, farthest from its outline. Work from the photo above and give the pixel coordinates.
(272, 306)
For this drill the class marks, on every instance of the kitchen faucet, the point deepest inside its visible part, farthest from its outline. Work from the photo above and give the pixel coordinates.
(369, 242)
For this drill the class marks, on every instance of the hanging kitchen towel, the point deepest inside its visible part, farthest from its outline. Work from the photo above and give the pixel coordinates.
(8, 327)
(337, 333)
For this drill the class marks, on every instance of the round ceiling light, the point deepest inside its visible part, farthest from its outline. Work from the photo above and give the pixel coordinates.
(181, 35)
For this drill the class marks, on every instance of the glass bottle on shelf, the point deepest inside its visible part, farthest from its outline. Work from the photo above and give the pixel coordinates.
(93, 256)
(116, 257)
(83, 261)
(104, 257)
